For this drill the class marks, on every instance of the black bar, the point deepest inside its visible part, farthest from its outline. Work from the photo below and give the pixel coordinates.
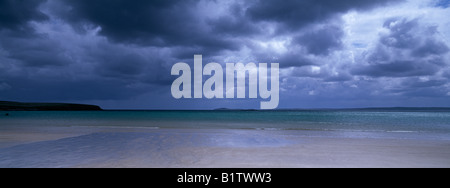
(233, 177)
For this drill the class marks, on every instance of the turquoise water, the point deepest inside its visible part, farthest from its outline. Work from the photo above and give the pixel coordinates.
(326, 120)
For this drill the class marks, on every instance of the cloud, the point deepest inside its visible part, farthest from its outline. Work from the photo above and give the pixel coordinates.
(55, 63)
(4, 86)
(323, 40)
(401, 33)
(34, 51)
(344, 53)
(423, 83)
(16, 14)
(235, 23)
(430, 47)
(442, 3)
(399, 69)
(408, 49)
(293, 14)
(131, 22)
(161, 23)
(46, 89)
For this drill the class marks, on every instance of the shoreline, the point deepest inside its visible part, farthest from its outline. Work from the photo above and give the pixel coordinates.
(212, 148)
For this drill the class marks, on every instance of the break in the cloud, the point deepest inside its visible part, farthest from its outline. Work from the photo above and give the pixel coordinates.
(118, 54)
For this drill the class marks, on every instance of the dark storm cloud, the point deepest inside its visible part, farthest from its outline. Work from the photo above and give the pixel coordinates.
(293, 60)
(47, 89)
(408, 49)
(399, 69)
(159, 23)
(34, 50)
(125, 64)
(15, 14)
(323, 40)
(122, 66)
(294, 14)
(177, 23)
(235, 23)
(131, 21)
(288, 59)
(118, 51)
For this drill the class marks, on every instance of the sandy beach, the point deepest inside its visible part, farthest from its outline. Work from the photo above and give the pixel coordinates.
(197, 148)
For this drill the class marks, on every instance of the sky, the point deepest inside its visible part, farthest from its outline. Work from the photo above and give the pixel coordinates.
(332, 54)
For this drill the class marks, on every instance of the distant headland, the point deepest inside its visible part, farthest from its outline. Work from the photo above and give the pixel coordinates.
(21, 106)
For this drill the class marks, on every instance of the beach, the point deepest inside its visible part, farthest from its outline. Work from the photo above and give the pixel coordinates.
(212, 148)
(225, 139)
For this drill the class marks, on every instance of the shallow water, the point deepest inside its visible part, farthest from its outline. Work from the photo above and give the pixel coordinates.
(322, 120)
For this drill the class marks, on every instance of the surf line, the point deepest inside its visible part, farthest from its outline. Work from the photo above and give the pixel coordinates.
(258, 78)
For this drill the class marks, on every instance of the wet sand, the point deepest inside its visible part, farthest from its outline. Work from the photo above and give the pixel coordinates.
(186, 148)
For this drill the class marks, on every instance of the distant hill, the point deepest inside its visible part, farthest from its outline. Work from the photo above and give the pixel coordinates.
(19, 106)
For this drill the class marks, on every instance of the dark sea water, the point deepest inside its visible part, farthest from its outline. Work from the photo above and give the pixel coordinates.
(320, 120)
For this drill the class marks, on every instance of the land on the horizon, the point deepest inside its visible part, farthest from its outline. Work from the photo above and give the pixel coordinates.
(21, 106)
(37, 106)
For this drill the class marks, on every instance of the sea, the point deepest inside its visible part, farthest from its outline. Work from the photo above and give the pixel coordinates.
(114, 138)
(431, 123)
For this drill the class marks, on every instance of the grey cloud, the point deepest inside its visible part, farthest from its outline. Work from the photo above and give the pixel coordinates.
(399, 68)
(131, 55)
(43, 89)
(126, 64)
(294, 14)
(149, 23)
(342, 77)
(306, 71)
(430, 47)
(15, 14)
(417, 83)
(176, 23)
(323, 74)
(4, 86)
(414, 88)
(33, 50)
(323, 40)
(293, 60)
(409, 49)
(121, 66)
(235, 23)
(446, 74)
(380, 54)
(442, 3)
(401, 33)
(53, 68)
(426, 92)
(409, 34)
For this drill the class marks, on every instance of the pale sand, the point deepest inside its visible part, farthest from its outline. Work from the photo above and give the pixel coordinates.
(140, 147)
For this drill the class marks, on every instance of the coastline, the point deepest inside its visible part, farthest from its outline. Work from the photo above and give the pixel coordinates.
(212, 148)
